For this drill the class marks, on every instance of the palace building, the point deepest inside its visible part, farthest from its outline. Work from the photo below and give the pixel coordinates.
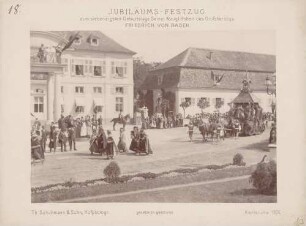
(93, 76)
(213, 75)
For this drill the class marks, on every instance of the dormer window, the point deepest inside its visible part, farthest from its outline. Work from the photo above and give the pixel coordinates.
(94, 41)
(77, 40)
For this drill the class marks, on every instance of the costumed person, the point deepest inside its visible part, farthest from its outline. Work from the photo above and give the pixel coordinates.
(43, 138)
(83, 128)
(41, 53)
(53, 137)
(71, 138)
(190, 130)
(120, 117)
(101, 140)
(122, 143)
(36, 150)
(61, 122)
(93, 141)
(135, 139)
(111, 147)
(144, 143)
(89, 127)
(62, 138)
(100, 120)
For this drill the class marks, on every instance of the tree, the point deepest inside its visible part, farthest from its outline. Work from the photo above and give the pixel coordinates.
(203, 103)
(185, 105)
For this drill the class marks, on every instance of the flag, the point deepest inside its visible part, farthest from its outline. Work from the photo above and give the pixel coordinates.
(71, 40)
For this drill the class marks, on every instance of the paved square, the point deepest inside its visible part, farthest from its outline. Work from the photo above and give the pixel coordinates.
(172, 150)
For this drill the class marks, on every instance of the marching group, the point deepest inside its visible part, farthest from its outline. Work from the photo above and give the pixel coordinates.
(67, 129)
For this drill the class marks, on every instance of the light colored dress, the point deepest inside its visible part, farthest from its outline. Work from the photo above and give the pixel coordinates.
(83, 130)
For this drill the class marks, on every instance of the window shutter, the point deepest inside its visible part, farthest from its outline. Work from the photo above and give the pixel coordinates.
(214, 100)
(72, 67)
(113, 90)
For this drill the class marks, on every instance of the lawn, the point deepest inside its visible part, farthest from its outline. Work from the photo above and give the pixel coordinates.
(165, 196)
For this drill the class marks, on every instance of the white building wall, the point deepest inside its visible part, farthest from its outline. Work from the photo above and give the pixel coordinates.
(108, 83)
(228, 96)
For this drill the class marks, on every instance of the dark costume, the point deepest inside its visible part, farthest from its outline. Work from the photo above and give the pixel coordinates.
(36, 149)
(144, 144)
(71, 138)
(110, 147)
(62, 138)
(53, 138)
(135, 141)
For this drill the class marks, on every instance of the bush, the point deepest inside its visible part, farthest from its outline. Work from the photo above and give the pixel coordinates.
(112, 172)
(264, 178)
(238, 160)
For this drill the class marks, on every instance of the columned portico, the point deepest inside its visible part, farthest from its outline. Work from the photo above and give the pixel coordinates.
(57, 95)
(51, 73)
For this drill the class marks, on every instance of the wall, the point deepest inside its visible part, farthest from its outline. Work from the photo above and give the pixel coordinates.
(228, 96)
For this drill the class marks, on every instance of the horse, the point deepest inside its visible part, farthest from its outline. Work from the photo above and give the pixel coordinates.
(123, 121)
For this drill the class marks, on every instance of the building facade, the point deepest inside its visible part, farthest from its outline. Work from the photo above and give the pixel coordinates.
(93, 76)
(213, 75)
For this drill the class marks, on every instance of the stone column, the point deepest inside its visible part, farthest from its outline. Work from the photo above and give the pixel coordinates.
(50, 97)
(57, 96)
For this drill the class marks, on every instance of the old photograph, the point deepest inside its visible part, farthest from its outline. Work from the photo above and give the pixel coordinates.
(153, 117)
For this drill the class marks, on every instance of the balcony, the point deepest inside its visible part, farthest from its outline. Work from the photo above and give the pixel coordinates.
(46, 58)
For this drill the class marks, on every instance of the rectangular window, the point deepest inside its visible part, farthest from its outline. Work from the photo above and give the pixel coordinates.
(159, 80)
(79, 89)
(188, 99)
(119, 69)
(79, 109)
(98, 109)
(65, 62)
(119, 104)
(94, 41)
(97, 89)
(97, 71)
(38, 104)
(119, 90)
(79, 69)
(62, 89)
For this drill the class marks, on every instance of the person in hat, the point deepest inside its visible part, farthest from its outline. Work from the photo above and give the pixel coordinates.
(62, 138)
(190, 130)
(135, 140)
(144, 143)
(71, 138)
(111, 147)
(53, 137)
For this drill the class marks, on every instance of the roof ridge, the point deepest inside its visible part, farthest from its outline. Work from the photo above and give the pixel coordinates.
(233, 51)
(188, 50)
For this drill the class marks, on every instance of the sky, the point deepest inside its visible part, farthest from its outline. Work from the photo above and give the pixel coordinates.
(160, 46)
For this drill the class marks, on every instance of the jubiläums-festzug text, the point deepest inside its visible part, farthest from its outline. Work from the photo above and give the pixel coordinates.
(155, 11)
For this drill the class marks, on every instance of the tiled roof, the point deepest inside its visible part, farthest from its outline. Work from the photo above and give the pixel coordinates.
(245, 97)
(232, 80)
(106, 44)
(196, 78)
(218, 59)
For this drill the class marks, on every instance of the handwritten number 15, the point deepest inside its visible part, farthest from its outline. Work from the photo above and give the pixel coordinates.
(14, 9)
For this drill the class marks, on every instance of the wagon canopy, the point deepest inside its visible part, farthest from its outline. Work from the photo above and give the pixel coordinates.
(245, 97)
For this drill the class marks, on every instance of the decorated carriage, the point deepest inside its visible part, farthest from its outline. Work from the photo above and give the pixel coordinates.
(246, 109)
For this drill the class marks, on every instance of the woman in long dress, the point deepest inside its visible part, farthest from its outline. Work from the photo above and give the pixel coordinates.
(111, 147)
(83, 128)
(122, 143)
